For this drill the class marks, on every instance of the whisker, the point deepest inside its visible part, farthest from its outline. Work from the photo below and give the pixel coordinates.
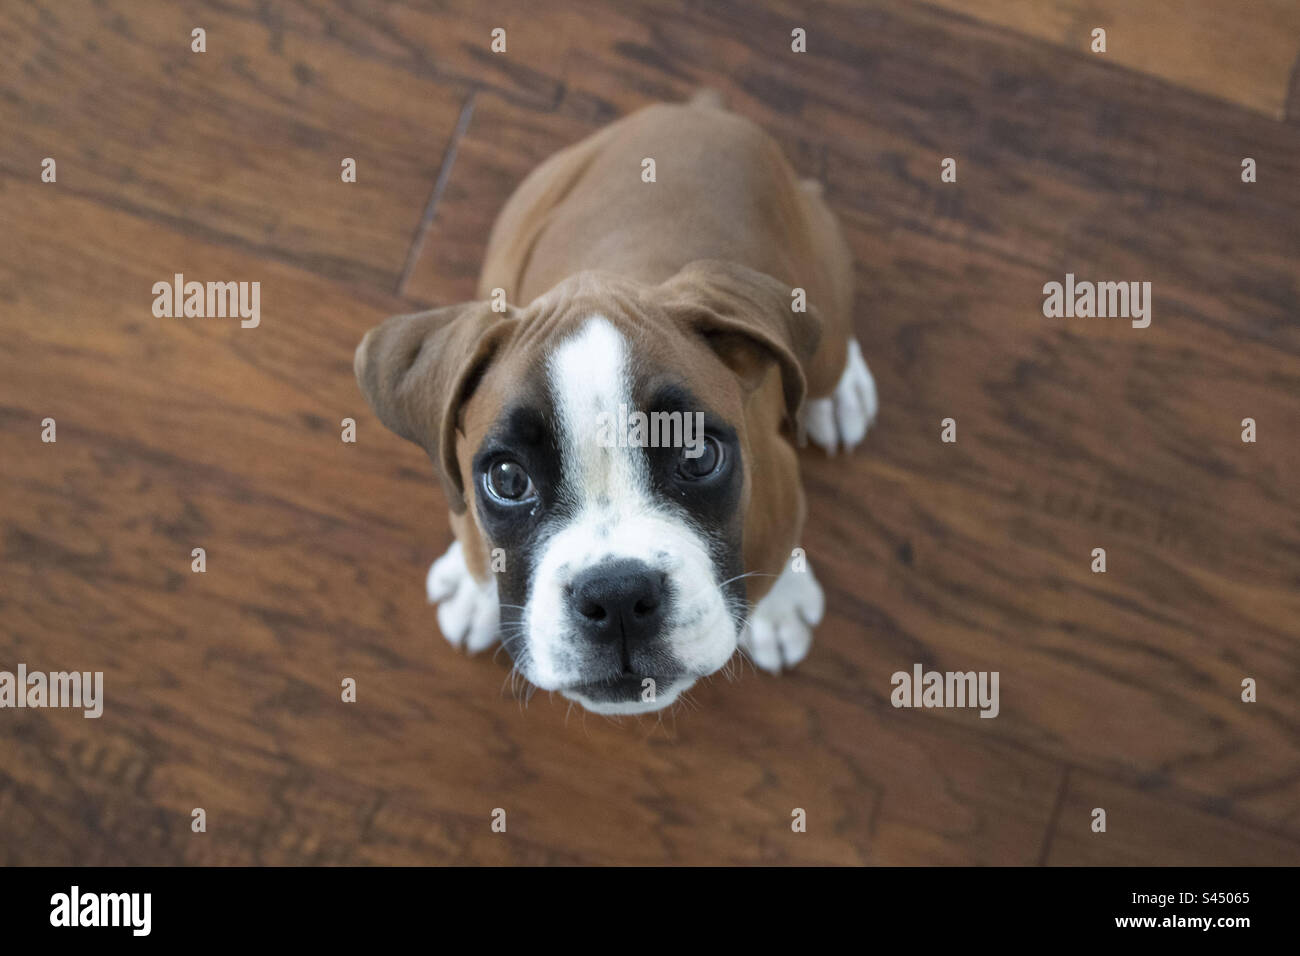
(738, 577)
(748, 574)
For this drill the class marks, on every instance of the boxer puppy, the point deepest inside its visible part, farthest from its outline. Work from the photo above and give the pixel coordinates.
(619, 571)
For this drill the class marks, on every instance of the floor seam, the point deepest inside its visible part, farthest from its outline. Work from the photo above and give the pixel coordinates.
(435, 195)
(1052, 820)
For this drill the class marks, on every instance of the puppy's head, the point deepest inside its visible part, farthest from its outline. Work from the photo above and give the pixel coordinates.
(604, 443)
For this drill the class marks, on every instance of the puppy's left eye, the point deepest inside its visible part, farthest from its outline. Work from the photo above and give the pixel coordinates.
(506, 481)
(707, 460)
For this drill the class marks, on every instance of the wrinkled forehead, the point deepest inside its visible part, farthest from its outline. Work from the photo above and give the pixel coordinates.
(570, 379)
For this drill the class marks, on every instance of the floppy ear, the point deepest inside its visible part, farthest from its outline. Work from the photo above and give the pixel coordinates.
(417, 370)
(748, 319)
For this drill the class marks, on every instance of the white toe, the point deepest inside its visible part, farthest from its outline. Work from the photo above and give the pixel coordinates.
(819, 423)
(468, 613)
(810, 603)
(844, 417)
(759, 642)
(863, 383)
(794, 637)
(445, 574)
(778, 634)
(456, 614)
(485, 626)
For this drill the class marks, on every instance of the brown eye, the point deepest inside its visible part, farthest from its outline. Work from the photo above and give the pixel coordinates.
(507, 481)
(707, 459)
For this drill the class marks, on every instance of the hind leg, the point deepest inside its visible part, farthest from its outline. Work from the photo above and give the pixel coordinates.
(842, 399)
(843, 417)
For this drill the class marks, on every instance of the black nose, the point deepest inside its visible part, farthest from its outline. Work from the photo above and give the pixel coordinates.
(621, 599)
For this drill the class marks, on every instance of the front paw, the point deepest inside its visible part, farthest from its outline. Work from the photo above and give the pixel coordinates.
(846, 414)
(779, 632)
(468, 612)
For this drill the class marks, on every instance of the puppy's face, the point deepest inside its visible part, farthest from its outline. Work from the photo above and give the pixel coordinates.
(620, 584)
(601, 449)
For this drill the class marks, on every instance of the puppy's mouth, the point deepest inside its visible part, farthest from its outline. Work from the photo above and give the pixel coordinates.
(622, 688)
(628, 693)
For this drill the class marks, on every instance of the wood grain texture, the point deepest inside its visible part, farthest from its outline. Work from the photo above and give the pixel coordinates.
(1243, 52)
(241, 144)
(1118, 690)
(1142, 826)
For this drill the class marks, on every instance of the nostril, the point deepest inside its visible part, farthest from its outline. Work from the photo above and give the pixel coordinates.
(645, 606)
(591, 610)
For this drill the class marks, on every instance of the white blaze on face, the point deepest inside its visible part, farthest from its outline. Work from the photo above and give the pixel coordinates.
(616, 515)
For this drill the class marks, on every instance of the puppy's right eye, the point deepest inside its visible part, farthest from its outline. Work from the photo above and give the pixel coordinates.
(707, 459)
(506, 481)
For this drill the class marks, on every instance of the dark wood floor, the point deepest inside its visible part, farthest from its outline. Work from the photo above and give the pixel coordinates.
(1119, 691)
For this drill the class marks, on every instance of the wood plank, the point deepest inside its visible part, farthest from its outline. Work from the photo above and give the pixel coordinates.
(1241, 52)
(1144, 826)
(503, 143)
(448, 43)
(241, 145)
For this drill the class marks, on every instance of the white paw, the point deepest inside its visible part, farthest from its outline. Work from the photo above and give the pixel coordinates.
(468, 613)
(845, 416)
(779, 632)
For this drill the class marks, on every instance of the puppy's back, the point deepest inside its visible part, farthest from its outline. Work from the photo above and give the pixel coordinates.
(722, 190)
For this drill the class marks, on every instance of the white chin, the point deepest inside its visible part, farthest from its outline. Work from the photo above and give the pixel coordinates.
(633, 706)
